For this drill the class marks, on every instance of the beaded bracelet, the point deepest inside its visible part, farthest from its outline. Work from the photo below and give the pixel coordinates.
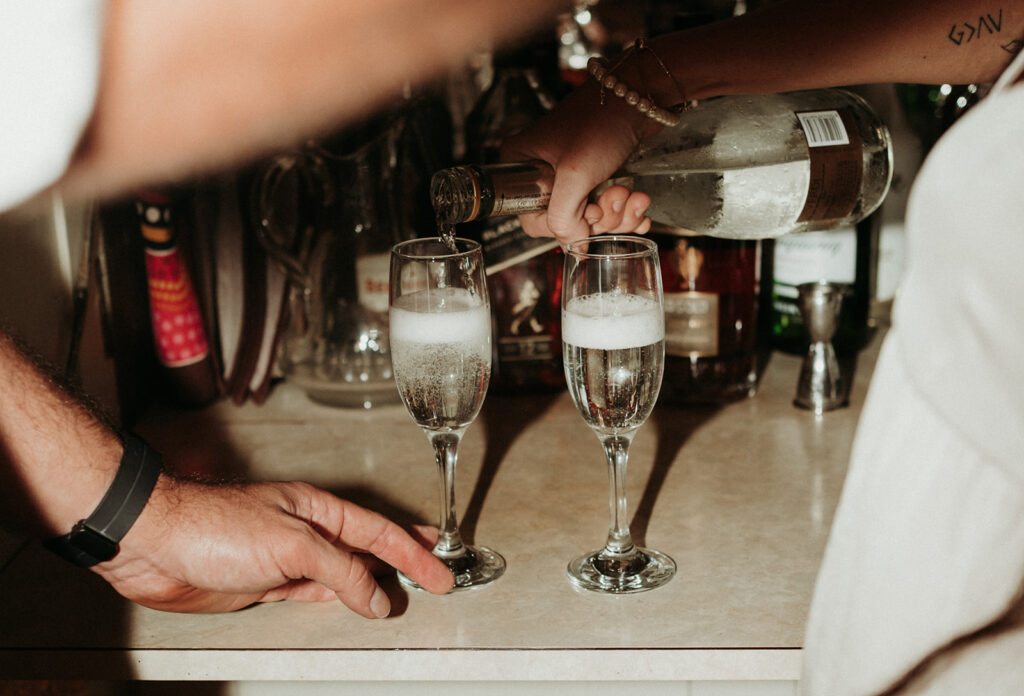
(605, 76)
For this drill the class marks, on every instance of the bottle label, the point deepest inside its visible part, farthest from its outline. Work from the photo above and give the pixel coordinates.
(526, 202)
(809, 256)
(523, 314)
(519, 187)
(691, 324)
(836, 164)
(823, 128)
(525, 348)
(373, 280)
(177, 323)
(504, 244)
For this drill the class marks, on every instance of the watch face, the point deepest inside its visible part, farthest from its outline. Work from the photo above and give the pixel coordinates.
(88, 542)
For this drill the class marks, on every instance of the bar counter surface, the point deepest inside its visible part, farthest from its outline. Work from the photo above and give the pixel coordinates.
(740, 496)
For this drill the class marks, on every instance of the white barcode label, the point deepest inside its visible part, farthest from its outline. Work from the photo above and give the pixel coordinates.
(823, 128)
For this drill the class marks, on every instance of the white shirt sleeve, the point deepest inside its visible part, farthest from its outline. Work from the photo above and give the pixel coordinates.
(49, 74)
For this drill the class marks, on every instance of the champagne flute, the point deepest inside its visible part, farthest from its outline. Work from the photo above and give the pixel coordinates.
(441, 356)
(613, 343)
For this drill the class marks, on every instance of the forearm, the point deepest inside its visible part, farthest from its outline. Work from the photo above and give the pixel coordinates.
(802, 44)
(192, 86)
(787, 45)
(56, 457)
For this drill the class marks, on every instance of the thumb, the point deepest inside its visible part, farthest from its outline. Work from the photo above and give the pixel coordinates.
(568, 207)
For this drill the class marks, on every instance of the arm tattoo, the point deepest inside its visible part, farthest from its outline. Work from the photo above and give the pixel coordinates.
(986, 24)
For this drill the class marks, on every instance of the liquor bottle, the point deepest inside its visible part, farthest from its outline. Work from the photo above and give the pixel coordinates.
(711, 317)
(179, 333)
(524, 274)
(739, 167)
(844, 255)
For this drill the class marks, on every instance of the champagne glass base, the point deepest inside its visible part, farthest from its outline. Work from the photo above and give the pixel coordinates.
(477, 567)
(638, 571)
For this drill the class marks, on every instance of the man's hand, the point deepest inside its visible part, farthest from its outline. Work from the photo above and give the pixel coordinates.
(212, 548)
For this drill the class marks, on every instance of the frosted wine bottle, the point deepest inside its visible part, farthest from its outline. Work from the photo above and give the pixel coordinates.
(739, 167)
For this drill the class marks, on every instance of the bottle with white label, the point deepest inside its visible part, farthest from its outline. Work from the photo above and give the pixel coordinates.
(845, 255)
(740, 167)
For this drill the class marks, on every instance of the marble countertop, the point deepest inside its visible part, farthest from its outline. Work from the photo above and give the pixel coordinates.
(740, 496)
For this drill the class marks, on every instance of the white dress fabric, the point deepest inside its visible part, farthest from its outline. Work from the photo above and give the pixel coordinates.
(928, 540)
(49, 73)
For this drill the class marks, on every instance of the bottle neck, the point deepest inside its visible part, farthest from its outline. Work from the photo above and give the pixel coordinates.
(470, 192)
(456, 195)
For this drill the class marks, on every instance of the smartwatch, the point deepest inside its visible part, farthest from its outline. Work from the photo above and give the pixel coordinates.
(95, 539)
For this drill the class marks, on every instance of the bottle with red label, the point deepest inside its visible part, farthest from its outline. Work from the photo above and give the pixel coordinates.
(179, 331)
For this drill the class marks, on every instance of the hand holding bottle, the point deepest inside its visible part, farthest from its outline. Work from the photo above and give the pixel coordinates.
(586, 142)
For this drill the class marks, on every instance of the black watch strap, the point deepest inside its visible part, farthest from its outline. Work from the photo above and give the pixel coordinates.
(95, 539)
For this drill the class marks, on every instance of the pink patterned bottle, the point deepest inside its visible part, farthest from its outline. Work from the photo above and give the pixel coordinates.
(179, 334)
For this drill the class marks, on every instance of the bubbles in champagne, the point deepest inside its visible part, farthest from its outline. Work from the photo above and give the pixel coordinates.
(614, 351)
(441, 353)
(439, 315)
(612, 321)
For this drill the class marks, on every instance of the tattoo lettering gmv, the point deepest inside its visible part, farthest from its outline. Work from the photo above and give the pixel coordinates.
(986, 25)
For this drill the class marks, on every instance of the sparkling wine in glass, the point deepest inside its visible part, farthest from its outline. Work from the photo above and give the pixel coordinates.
(613, 342)
(441, 356)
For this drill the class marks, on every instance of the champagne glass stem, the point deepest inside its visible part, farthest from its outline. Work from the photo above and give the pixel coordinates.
(616, 449)
(449, 541)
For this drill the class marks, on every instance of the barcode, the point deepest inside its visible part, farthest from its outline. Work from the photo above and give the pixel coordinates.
(823, 128)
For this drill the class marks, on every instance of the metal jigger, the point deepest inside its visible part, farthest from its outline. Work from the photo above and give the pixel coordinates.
(821, 386)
